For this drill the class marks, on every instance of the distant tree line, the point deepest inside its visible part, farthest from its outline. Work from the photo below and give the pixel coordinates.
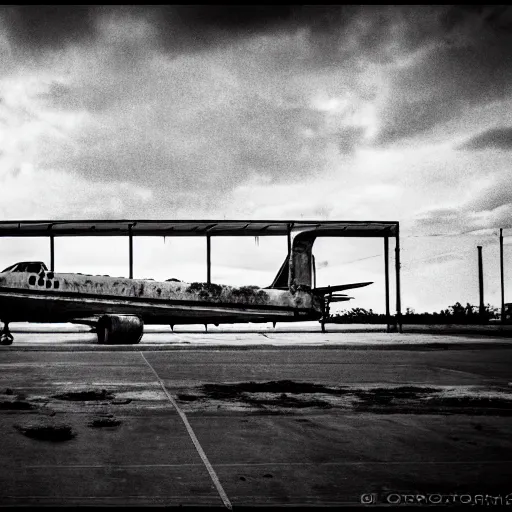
(456, 314)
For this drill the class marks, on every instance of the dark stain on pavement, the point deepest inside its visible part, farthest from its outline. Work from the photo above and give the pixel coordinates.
(286, 394)
(85, 396)
(187, 398)
(54, 432)
(273, 393)
(16, 405)
(386, 396)
(478, 402)
(280, 386)
(122, 401)
(104, 422)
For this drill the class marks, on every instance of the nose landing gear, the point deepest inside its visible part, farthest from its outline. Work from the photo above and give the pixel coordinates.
(6, 338)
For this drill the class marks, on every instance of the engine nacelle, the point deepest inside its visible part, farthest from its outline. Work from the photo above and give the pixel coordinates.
(120, 329)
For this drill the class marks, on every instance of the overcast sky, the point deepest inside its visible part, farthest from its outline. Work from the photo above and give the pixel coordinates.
(340, 113)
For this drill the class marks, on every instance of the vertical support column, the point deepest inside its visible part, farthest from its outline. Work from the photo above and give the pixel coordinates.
(130, 250)
(481, 309)
(397, 270)
(52, 253)
(208, 259)
(313, 270)
(289, 236)
(502, 279)
(386, 279)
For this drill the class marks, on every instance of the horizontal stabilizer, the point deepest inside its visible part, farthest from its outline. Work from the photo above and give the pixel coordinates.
(338, 288)
(339, 299)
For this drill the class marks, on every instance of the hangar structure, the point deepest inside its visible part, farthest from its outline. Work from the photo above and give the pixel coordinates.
(213, 228)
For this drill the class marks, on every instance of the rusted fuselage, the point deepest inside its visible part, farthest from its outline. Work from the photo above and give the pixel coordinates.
(52, 297)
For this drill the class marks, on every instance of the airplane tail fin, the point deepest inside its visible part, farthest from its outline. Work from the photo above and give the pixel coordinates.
(281, 280)
(281, 283)
(298, 268)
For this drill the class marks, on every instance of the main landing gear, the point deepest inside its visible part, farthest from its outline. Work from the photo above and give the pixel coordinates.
(6, 338)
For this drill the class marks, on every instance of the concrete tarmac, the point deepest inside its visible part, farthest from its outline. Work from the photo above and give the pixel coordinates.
(232, 426)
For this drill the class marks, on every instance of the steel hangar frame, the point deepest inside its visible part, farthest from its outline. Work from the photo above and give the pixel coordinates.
(212, 228)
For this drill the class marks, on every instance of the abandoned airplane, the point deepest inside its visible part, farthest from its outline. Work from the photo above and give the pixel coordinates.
(119, 307)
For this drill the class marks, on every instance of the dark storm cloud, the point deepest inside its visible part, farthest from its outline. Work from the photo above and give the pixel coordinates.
(494, 196)
(239, 20)
(490, 208)
(191, 27)
(445, 221)
(469, 64)
(462, 221)
(180, 27)
(155, 107)
(496, 138)
(373, 27)
(175, 145)
(49, 26)
(448, 218)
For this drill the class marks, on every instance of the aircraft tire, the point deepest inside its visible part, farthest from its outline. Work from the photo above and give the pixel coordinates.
(119, 330)
(6, 339)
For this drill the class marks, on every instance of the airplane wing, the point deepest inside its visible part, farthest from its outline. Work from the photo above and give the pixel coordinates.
(338, 288)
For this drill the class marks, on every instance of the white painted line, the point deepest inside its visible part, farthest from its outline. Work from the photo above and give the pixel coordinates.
(200, 451)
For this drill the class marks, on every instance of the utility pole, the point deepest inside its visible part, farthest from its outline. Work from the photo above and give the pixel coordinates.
(502, 279)
(52, 253)
(130, 250)
(397, 270)
(386, 280)
(208, 259)
(481, 283)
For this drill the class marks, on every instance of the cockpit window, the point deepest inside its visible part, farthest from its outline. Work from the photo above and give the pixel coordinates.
(27, 266)
(34, 267)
